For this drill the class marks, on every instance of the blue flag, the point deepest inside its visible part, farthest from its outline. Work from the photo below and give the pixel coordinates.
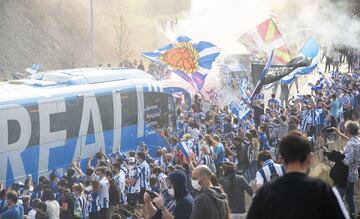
(185, 148)
(192, 61)
(311, 50)
(260, 83)
(241, 110)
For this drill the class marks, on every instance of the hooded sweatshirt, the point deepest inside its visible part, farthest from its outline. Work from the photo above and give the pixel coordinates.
(184, 201)
(211, 203)
(235, 186)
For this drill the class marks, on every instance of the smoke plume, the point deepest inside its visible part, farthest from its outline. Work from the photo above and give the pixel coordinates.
(223, 22)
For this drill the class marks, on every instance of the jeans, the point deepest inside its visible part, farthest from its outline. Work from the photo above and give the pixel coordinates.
(327, 65)
(349, 193)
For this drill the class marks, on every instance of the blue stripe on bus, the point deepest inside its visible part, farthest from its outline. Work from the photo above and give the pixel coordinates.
(62, 156)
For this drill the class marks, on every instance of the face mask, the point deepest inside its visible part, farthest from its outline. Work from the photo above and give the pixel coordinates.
(171, 192)
(195, 184)
(98, 178)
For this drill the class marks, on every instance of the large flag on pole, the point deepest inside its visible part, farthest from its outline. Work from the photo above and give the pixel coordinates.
(262, 78)
(311, 52)
(192, 61)
(265, 38)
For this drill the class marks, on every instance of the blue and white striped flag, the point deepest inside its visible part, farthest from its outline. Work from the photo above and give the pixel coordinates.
(305, 121)
(241, 111)
(192, 61)
(185, 148)
(311, 50)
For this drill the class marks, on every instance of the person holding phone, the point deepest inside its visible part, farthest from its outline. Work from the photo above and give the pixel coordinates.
(177, 187)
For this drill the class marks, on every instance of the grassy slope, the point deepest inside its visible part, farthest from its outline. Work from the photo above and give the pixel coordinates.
(56, 33)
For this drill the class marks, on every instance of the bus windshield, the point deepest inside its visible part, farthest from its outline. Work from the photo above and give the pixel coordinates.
(159, 112)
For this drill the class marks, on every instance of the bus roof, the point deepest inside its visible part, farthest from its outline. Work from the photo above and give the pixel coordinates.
(72, 82)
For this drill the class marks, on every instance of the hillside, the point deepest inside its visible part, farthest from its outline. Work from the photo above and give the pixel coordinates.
(56, 33)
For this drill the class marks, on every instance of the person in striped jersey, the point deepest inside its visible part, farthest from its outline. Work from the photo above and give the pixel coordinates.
(144, 174)
(306, 119)
(81, 202)
(133, 183)
(205, 158)
(296, 195)
(160, 176)
(94, 200)
(119, 177)
(104, 192)
(270, 171)
(346, 102)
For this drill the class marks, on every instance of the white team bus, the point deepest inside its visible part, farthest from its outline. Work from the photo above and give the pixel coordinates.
(51, 118)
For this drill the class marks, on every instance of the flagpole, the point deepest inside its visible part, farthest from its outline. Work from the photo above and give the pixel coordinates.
(92, 33)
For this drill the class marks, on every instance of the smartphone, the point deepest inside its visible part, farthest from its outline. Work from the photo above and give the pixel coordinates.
(152, 194)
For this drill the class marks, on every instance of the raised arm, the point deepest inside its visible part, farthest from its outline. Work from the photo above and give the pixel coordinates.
(77, 168)
(30, 180)
(159, 202)
(151, 209)
(341, 134)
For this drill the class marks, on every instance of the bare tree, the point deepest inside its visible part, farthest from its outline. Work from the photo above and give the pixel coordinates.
(122, 48)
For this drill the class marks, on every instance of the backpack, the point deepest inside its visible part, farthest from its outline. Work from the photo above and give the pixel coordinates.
(41, 215)
(273, 174)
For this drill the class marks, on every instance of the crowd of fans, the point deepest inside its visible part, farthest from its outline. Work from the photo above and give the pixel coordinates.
(205, 171)
(337, 55)
(159, 72)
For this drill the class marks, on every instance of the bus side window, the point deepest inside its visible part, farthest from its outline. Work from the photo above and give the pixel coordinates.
(35, 125)
(14, 134)
(69, 120)
(129, 108)
(106, 107)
